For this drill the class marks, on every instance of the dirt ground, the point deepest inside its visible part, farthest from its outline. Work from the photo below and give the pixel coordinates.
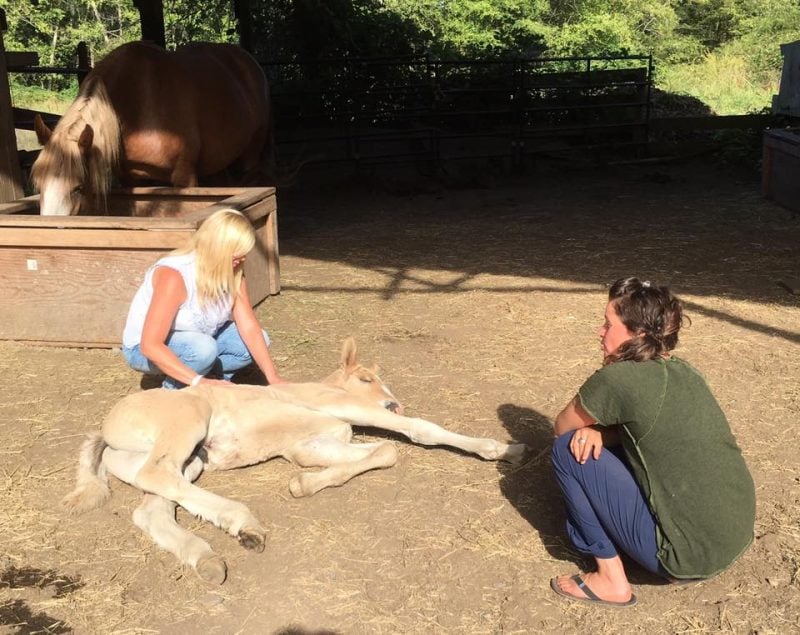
(481, 305)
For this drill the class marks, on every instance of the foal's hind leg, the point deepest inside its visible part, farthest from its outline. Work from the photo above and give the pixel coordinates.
(160, 472)
(342, 461)
(156, 517)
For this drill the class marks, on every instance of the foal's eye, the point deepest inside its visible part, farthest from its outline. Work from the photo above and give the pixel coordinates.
(365, 380)
(78, 189)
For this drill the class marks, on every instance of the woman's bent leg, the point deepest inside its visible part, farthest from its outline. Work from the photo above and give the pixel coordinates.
(233, 353)
(197, 350)
(606, 510)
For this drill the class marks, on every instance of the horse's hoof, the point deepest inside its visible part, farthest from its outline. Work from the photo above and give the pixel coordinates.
(212, 569)
(296, 487)
(515, 453)
(252, 539)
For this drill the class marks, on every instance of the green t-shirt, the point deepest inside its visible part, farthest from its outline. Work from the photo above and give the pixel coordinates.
(684, 457)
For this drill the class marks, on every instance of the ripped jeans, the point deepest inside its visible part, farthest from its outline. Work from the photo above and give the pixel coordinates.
(221, 354)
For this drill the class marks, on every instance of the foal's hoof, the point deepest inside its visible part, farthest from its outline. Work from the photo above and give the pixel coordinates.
(252, 539)
(515, 453)
(212, 569)
(296, 487)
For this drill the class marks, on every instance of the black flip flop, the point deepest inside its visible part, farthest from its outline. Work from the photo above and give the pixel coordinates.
(590, 598)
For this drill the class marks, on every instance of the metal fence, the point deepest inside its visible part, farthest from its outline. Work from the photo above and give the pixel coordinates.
(418, 108)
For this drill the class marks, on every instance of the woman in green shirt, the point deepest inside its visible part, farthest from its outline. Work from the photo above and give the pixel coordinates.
(672, 490)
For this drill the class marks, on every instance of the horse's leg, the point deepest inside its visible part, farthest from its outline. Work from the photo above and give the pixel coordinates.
(156, 517)
(342, 461)
(422, 431)
(160, 472)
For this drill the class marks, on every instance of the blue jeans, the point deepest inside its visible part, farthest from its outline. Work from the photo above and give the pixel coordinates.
(223, 354)
(606, 510)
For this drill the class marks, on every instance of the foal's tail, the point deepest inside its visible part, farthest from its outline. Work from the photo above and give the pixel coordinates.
(91, 489)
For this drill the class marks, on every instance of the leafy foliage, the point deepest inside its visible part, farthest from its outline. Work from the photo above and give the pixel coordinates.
(688, 38)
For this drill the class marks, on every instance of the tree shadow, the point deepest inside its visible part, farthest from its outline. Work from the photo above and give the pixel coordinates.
(531, 487)
(699, 230)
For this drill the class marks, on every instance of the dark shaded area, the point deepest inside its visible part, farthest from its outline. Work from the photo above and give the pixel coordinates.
(701, 228)
(17, 615)
(59, 585)
(299, 630)
(533, 491)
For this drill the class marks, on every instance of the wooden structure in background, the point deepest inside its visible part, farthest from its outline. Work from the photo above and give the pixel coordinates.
(780, 167)
(69, 280)
(10, 173)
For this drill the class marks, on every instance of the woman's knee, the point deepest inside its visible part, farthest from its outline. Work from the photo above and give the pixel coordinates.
(196, 350)
(561, 454)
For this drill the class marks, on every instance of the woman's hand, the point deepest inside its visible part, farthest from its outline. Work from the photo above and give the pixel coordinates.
(586, 442)
(276, 380)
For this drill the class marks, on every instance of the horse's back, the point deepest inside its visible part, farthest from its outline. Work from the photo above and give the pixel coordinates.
(209, 101)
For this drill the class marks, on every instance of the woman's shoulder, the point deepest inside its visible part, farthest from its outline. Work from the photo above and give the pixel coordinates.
(176, 261)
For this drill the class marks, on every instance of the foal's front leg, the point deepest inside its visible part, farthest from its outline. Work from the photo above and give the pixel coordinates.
(341, 460)
(425, 432)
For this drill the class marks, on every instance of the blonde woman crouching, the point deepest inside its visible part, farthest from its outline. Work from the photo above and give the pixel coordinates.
(192, 316)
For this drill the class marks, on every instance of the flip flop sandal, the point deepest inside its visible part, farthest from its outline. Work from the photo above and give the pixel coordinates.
(590, 598)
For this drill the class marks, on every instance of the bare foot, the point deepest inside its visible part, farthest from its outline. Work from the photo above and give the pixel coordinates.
(603, 587)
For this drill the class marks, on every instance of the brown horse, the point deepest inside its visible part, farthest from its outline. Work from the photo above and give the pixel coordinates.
(148, 115)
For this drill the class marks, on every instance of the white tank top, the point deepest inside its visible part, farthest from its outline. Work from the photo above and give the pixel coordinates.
(191, 316)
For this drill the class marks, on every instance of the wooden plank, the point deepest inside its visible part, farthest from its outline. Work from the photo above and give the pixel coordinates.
(79, 295)
(96, 222)
(247, 196)
(711, 122)
(108, 239)
(22, 58)
(20, 205)
(68, 281)
(273, 262)
(10, 172)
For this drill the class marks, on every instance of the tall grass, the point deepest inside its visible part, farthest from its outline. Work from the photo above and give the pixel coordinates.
(42, 99)
(722, 81)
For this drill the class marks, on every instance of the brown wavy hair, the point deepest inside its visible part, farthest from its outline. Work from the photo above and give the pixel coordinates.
(651, 313)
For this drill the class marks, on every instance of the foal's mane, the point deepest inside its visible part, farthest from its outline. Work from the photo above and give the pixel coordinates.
(61, 156)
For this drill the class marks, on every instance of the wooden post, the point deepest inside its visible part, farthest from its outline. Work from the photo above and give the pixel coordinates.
(10, 172)
(244, 24)
(151, 17)
(84, 61)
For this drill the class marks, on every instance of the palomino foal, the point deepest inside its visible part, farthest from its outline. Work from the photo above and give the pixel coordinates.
(159, 441)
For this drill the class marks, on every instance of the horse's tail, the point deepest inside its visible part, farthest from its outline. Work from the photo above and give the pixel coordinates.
(91, 489)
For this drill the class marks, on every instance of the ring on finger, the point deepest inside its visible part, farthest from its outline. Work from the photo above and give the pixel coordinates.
(582, 440)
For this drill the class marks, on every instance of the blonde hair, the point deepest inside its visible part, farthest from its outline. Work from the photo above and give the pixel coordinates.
(224, 235)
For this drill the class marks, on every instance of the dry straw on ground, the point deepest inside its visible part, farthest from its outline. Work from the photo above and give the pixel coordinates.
(480, 306)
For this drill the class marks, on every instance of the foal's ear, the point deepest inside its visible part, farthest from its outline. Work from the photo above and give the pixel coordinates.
(349, 354)
(85, 141)
(43, 133)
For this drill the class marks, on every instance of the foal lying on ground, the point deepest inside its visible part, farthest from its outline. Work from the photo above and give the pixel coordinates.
(159, 441)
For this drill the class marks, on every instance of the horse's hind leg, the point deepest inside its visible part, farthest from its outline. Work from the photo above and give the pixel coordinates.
(160, 472)
(156, 517)
(342, 461)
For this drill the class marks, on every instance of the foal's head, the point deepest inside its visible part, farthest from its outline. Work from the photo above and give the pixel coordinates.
(362, 381)
(74, 168)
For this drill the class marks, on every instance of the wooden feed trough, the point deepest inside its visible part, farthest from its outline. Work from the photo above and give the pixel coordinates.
(780, 167)
(69, 280)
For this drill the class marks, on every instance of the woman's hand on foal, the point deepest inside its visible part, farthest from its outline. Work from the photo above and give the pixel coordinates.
(586, 442)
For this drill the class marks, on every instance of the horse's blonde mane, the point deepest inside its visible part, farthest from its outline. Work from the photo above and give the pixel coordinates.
(61, 156)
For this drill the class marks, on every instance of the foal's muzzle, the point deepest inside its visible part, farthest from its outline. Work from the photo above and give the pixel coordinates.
(394, 407)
